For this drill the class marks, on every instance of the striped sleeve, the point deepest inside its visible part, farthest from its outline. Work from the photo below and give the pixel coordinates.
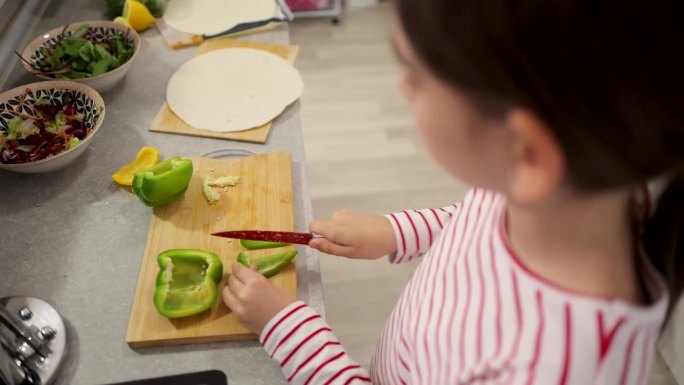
(308, 353)
(416, 230)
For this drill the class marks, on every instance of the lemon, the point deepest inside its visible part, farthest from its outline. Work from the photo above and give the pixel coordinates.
(146, 158)
(137, 15)
(123, 21)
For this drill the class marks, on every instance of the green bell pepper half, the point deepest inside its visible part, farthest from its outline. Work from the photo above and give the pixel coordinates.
(258, 245)
(187, 283)
(269, 265)
(163, 183)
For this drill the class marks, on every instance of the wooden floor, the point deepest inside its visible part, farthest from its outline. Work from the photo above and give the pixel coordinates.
(364, 154)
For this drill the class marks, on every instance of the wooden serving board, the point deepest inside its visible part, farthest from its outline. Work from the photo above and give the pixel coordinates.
(167, 121)
(261, 200)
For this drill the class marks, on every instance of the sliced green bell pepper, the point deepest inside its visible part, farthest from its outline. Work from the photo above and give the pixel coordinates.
(163, 183)
(269, 265)
(258, 245)
(187, 282)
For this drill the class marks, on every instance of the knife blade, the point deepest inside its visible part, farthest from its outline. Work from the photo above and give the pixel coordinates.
(269, 236)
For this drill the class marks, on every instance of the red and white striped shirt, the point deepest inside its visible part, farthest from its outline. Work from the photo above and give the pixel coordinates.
(473, 313)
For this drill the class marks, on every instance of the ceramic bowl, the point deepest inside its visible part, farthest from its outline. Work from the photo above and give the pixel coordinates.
(86, 100)
(32, 53)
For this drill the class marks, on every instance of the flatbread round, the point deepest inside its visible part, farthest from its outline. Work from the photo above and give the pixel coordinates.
(233, 89)
(214, 16)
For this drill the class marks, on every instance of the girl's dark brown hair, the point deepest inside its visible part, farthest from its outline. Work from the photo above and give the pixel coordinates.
(608, 79)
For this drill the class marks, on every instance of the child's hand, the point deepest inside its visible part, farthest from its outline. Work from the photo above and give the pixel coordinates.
(253, 298)
(354, 235)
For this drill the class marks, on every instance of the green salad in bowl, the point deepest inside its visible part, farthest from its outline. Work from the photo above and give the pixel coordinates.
(81, 54)
(94, 53)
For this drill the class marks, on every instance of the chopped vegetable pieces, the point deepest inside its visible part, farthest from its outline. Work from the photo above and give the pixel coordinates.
(270, 265)
(258, 245)
(224, 181)
(211, 194)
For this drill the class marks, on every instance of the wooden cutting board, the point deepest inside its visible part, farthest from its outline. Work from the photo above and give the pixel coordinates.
(261, 200)
(167, 121)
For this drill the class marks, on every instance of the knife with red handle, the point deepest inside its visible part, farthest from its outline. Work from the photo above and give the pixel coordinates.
(270, 236)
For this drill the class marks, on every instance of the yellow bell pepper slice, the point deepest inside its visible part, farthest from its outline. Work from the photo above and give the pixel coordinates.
(146, 158)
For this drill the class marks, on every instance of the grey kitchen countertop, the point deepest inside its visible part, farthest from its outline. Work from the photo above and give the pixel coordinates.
(75, 239)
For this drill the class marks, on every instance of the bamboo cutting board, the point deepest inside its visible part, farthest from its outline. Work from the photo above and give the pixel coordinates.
(167, 121)
(261, 200)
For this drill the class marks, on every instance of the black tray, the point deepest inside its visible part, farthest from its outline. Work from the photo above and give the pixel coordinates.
(209, 377)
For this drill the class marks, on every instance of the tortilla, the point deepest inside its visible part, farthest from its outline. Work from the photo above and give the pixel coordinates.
(215, 16)
(233, 89)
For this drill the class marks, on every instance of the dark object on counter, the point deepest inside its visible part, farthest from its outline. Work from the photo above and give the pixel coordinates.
(32, 341)
(209, 377)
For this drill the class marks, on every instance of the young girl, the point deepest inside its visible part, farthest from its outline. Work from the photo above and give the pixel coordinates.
(559, 112)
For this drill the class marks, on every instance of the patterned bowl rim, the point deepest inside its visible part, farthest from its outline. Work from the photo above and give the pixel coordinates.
(56, 85)
(39, 41)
